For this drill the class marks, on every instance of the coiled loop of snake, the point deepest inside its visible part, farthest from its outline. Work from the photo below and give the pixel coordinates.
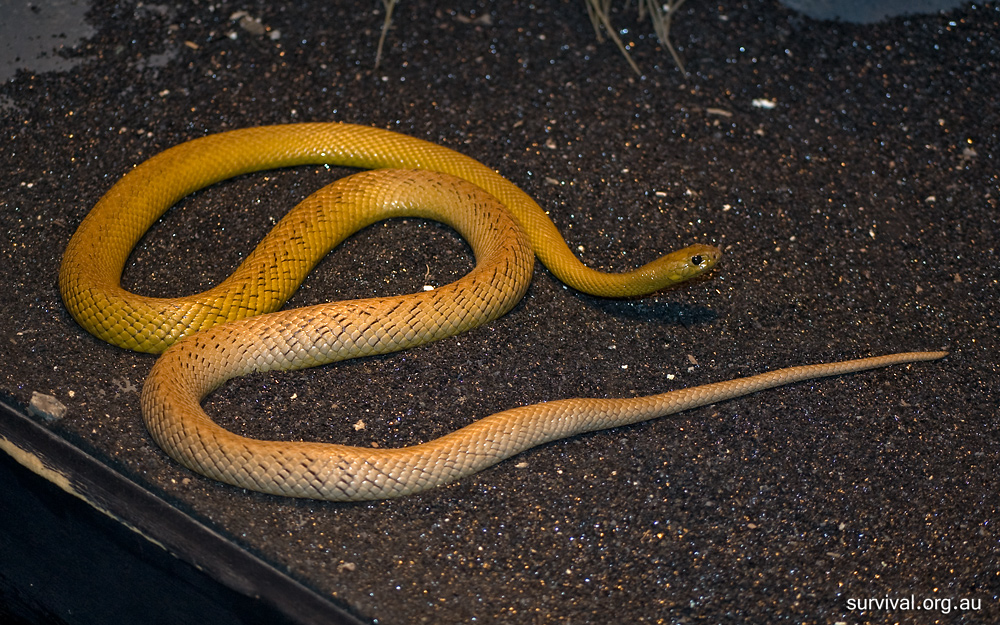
(224, 343)
(95, 257)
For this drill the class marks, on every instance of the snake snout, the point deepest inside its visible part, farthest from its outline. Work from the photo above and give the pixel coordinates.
(705, 257)
(697, 259)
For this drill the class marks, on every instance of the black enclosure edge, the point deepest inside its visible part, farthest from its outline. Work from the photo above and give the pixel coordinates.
(81, 543)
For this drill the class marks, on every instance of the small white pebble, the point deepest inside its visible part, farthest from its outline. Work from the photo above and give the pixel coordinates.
(46, 406)
(717, 111)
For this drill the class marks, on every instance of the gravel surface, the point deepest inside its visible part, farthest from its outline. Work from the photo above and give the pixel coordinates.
(848, 171)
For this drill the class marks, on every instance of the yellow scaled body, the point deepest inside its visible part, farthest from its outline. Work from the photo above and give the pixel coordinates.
(233, 329)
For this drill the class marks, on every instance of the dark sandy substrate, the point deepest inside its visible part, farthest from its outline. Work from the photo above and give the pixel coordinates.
(858, 215)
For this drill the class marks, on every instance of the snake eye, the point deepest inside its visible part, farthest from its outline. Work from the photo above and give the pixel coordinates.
(697, 260)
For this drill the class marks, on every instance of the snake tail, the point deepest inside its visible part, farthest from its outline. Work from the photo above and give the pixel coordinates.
(345, 473)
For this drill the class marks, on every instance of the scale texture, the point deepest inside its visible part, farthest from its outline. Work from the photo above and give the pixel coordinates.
(232, 329)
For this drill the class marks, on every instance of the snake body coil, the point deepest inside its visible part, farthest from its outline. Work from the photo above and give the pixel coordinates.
(231, 336)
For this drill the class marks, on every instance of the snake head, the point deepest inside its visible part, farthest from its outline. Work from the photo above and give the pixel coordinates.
(700, 258)
(680, 266)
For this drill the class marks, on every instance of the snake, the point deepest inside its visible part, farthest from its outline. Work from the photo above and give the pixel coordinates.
(239, 327)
